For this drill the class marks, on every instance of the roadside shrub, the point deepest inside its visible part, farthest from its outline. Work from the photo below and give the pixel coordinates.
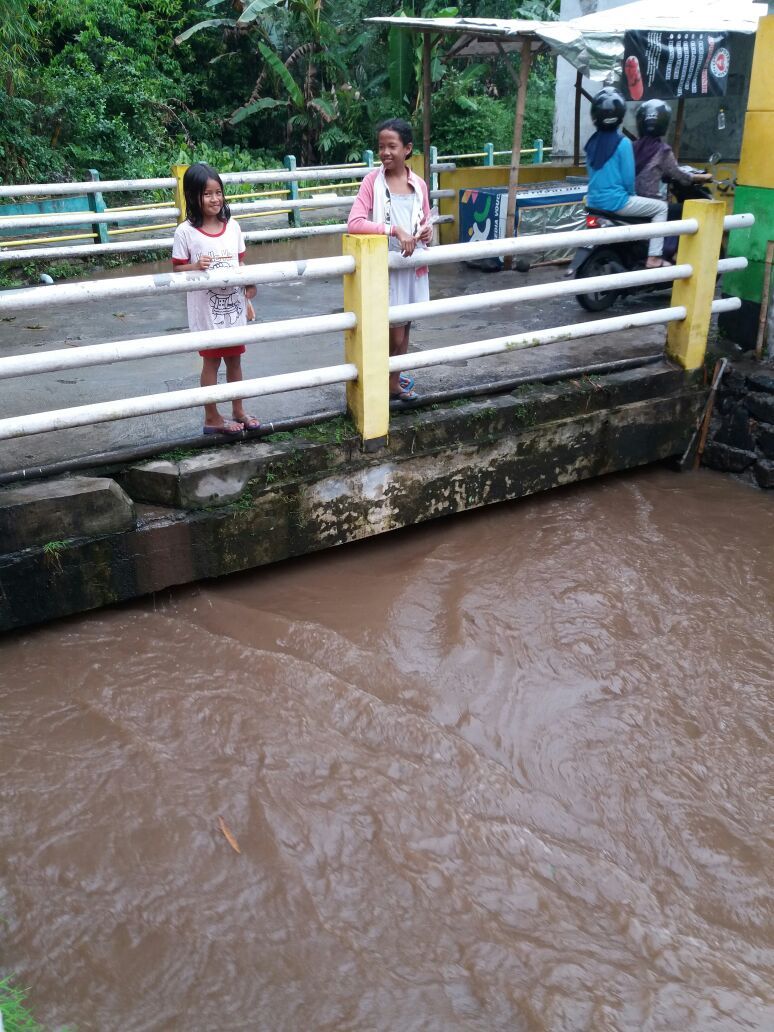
(465, 116)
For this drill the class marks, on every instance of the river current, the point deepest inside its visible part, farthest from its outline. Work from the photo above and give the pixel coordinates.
(508, 771)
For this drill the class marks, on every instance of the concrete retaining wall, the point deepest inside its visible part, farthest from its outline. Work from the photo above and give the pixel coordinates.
(250, 504)
(741, 438)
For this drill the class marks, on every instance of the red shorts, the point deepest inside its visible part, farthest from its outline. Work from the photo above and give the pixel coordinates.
(237, 349)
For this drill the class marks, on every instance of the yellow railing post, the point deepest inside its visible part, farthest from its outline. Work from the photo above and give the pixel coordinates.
(366, 293)
(178, 171)
(687, 340)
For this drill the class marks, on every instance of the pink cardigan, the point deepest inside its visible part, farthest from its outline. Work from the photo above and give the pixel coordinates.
(363, 207)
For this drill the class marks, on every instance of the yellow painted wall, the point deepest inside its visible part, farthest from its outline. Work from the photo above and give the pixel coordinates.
(761, 96)
(755, 164)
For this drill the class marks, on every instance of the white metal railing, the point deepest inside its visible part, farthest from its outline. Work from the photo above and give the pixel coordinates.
(85, 187)
(537, 150)
(534, 338)
(243, 209)
(274, 175)
(165, 243)
(572, 238)
(400, 314)
(128, 220)
(150, 404)
(313, 268)
(171, 344)
(174, 283)
(19, 365)
(82, 218)
(176, 343)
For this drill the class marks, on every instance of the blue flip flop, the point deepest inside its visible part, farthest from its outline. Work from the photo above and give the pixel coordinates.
(406, 397)
(230, 428)
(406, 382)
(249, 423)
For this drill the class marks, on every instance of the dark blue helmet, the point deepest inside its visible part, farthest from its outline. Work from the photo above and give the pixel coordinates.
(608, 108)
(653, 118)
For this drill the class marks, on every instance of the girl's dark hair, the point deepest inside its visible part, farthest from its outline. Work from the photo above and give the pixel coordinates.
(194, 184)
(399, 126)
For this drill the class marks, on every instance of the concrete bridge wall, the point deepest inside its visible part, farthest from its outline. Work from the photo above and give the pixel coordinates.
(83, 543)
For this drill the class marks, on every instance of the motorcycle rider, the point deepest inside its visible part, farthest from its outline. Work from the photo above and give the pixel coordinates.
(654, 161)
(610, 161)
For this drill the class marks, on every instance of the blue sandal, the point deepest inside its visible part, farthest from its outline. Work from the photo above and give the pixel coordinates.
(230, 428)
(409, 397)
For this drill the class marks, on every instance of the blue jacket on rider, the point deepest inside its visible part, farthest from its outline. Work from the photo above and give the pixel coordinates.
(611, 186)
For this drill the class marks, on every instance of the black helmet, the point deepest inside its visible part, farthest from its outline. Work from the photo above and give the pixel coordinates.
(653, 118)
(608, 108)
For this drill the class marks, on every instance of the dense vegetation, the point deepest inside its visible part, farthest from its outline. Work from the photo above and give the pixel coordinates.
(127, 86)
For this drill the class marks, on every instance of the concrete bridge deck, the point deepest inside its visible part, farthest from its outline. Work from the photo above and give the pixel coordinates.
(73, 544)
(96, 322)
(69, 544)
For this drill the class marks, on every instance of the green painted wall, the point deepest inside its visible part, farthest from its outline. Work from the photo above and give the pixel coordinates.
(751, 243)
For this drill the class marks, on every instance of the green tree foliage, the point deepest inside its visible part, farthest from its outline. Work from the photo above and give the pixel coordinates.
(312, 74)
(466, 114)
(99, 82)
(122, 85)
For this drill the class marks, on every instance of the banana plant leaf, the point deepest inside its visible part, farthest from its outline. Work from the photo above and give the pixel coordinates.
(279, 69)
(257, 7)
(263, 104)
(400, 64)
(203, 25)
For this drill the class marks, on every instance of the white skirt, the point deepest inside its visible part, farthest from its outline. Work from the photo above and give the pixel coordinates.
(406, 288)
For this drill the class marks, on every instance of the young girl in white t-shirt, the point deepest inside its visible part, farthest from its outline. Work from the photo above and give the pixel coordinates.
(211, 239)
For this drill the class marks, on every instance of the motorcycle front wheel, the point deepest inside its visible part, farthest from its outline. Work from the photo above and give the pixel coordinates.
(601, 263)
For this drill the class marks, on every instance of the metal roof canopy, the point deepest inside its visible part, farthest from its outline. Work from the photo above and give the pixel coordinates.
(594, 44)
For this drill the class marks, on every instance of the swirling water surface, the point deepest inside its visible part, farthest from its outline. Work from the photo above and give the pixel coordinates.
(509, 771)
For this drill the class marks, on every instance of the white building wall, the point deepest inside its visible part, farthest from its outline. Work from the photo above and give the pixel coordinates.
(564, 114)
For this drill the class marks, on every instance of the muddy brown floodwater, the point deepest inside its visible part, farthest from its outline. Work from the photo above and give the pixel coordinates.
(509, 771)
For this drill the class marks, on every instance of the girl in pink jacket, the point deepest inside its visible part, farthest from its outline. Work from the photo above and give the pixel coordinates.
(394, 201)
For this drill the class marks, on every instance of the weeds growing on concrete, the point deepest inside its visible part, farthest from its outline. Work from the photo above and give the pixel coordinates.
(52, 554)
(332, 431)
(176, 454)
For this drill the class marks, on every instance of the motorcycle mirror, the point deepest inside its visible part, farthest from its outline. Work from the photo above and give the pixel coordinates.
(714, 158)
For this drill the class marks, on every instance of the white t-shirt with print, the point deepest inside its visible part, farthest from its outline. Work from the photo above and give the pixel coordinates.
(219, 307)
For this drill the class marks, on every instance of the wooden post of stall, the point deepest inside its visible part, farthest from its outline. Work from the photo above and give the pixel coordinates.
(426, 92)
(518, 125)
(679, 123)
(576, 139)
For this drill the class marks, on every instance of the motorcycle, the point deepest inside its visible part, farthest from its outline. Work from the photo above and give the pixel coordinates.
(630, 255)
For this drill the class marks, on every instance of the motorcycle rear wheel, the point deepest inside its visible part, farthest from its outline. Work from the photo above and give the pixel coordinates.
(602, 263)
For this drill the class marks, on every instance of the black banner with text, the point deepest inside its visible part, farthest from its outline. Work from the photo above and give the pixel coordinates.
(661, 65)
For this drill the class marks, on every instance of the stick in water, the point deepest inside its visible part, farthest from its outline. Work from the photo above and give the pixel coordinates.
(704, 419)
(228, 835)
(720, 368)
